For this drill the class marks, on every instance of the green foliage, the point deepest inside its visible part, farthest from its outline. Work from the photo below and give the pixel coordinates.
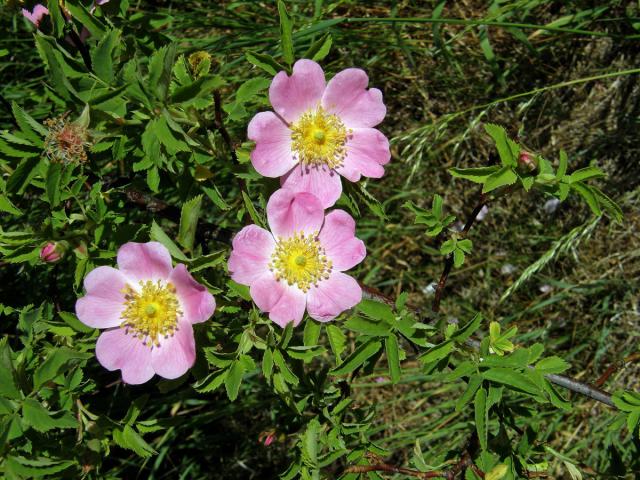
(537, 173)
(629, 404)
(286, 32)
(160, 120)
(457, 248)
(435, 220)
(499, 342)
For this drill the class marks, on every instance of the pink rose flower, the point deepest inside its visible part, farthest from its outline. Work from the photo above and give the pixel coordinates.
(147, 308)
(320, 131)
(299, 264)
(36, 15)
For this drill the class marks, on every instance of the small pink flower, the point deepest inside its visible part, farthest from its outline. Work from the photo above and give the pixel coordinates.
(52, 252)
(147, 308)
(320, 131)
(299, 264)
(269, 440)
(36, 15)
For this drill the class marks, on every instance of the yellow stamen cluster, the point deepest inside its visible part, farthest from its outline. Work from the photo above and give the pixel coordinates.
(319, 139)
(152, 312)
(300, 260)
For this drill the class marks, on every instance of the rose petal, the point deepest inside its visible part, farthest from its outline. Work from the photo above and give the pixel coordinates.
(292, 95)
(196, 302)
(324, 184)
(289, 212)
(290, 307)
(367, 151)
(347, 96)
(339, 241)
(176, 354)
(266, 291)
(116, 350)
(145, 261)
(272, 156)
(284, 303)
(35, 17)
(333, 296)
(102, 306)
(250, 255)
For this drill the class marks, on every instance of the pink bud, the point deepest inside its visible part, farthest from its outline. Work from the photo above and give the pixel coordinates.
(51, 252)
(527, 161)
(269, 440)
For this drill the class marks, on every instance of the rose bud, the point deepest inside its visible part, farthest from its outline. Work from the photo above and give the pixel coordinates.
(527, 162)
(52, 252)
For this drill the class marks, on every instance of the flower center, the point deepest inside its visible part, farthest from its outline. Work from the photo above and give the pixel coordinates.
(300, 260)
(319, 138)
(151, 312)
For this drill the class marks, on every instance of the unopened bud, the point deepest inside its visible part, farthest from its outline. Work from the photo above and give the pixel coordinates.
(267, 438)
(527, 162)
(53, 252)
(200, 63)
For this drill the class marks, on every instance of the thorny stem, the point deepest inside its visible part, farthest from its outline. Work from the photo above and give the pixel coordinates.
(217, 105)
(585, 389)
(614, 367)
(77, 42)
(82, 48)
(384, 467)
(219, 122)
(465, 462)
(448, 263)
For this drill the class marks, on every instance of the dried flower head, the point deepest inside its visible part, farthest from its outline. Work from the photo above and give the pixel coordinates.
(66, 141)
